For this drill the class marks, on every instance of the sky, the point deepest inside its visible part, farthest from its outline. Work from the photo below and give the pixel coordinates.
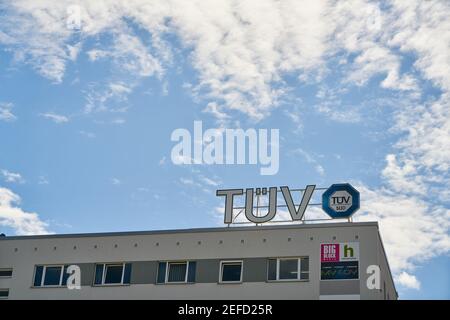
(91, 92)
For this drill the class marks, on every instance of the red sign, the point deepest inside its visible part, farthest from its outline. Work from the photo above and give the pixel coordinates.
(329, 252)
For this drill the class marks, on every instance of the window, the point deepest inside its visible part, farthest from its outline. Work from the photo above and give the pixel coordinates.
(4, 293)
(6, 273)
(112, 274)
(176, 272)
(230, 271)
(50, 276)
(280, 269)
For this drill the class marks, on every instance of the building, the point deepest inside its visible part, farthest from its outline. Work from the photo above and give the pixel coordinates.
(296, 261)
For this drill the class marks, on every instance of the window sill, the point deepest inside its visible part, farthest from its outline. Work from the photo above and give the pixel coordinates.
(112, 285)
(174, 283)
(287, 280)
(48, 287)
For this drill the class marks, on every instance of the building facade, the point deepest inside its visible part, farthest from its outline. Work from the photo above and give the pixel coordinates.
(297, 261)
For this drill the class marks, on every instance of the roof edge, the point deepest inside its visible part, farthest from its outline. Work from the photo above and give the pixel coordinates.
(192, 230)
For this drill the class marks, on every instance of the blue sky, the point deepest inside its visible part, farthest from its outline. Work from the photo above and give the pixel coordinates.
(359, 93)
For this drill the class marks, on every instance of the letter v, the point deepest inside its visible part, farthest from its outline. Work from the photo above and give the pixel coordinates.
(307, 194)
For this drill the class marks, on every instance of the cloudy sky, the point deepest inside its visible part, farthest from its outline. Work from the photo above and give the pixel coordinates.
(90, 92)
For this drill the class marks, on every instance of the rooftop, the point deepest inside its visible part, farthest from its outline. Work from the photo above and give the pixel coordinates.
(195, 230)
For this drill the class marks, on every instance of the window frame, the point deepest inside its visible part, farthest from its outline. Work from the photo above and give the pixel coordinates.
(168, 264)
(166, 272)
(277, 271)
(7, 293)
(225, 262)
(44, 271)
(105, 268)
(6, 269)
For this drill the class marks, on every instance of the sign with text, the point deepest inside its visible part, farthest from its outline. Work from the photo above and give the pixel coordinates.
(339, 201)
(347, 270)
(339, 261)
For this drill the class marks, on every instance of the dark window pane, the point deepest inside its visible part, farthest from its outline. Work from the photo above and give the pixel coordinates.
(177, 272)
(304, 264)
(65, 276)
(113, 274)
(231, 272)
(98, 273)
(127, 274)
(4, 293)
(272, 270)
(6, 273)
(289, 269)
(191, 271)
(161, 272)
(52, 276)
(304, 276)
(38, 276)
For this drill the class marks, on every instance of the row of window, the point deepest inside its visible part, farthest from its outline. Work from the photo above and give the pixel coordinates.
(5, 273)
(278, 269)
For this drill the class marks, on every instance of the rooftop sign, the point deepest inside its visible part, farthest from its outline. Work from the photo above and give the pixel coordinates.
(338, 201)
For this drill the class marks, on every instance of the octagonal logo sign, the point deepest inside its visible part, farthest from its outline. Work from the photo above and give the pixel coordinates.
(340, 200)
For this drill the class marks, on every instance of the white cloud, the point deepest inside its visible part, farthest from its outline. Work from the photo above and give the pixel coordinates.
(112, 97)
(12, 176)
(235, 66)
(331, 105)
(239, 56)
(116, 181)
(342, 114)
(43, 180)
(24, 223)
(294, 114)
(409, 281)
(311, 159)
(423, 152)
(201, 182)
(5, 111)
(119, 88)
(375, 60)
(57, 118)
(118, 121)
(403, 177)
(96, 54)
(423, 27)
(87, 134)
(130, 54)
(209, 182)
(37, 33)
(412, 229)
(187, 181)
(214, 109)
